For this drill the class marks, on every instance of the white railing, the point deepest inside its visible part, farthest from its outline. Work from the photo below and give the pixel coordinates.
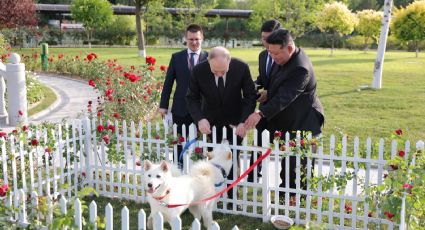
(14, 74)
(80, 158)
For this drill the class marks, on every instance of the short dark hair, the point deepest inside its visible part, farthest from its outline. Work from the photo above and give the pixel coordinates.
(280, 37)
(270, 25)
(193, 28)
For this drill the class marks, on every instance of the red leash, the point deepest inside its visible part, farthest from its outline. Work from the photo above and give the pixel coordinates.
(262, 157)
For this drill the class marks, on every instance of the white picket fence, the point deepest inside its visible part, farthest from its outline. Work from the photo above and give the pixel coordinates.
(80, 159)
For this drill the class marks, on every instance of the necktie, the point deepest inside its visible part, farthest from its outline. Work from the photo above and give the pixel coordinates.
(192, 61)
(269, 66)
(221, 87)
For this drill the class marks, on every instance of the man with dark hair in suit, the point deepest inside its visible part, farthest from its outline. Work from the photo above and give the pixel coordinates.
(265, 66)
(222, 94)
(292, 99)
(179, 70)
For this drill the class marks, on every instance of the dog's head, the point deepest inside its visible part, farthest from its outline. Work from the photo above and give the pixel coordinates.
(156, 175)
(221, 155)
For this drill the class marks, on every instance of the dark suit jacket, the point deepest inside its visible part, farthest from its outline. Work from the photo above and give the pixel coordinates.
(203, 99)
(262, 79)
(292, 100)
(178, 70)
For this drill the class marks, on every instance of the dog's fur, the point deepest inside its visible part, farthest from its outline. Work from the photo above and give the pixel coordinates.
(162, 186)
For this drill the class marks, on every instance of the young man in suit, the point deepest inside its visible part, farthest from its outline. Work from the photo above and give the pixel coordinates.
(179, 70)
(222, 94)
(292, 102)
(265, 65)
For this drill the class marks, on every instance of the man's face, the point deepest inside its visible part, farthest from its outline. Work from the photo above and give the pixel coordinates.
(219, 66)
(194, 40)
(264, 36)
(280, 54)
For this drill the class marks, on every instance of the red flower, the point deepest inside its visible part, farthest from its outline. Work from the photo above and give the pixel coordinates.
(370, 214)
(91, 83)
(60, 56)
(389, 215)
(399, 132)
(99, 114)
(157, 136)
(116, 115)
(111, 127)
(83, 174)
(181, 139)
(198, 150)
(3, 190)
(90, 57)
(292, 144)
(24, 128)
(20, 113)
(138, 163)
(277, 134)
(48, 150)
(106, 139)
(133, 78)
(150, 60)
(394, 167)
(407, 186)
(3, 134)
(34, 142)
(163, 68)
(109, 92)
(174, 142)
(302, 143)
(348, 208)
(385, 175)
(401, 153)
(100, 128)
(151, 68)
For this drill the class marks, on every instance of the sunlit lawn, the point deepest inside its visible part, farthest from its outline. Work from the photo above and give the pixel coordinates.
(399, 104)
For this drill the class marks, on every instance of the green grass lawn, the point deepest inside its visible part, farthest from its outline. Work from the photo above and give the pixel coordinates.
(48, 99)
(348, 110)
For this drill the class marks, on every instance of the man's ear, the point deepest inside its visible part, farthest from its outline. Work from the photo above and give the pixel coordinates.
(147, 165)
(164, 166)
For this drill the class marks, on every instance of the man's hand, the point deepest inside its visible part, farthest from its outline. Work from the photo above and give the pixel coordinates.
(163, 112)
(204, 126)
(240, 130)
(263, 96)
(252, 120)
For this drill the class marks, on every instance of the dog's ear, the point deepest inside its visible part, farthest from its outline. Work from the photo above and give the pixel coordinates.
(147, 165)
(164, 166)
(210, 155)
(229, 155)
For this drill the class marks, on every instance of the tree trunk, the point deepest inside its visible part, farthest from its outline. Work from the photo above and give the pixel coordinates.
(89, 37)
(332, 46)
(140, 38)
(379, 62)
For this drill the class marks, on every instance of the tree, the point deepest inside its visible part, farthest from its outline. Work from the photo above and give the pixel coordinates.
(15, 14)
(121, 31)
(94, 14)
(369, 25)
(409, 24)
(336, 19)
(140, 38)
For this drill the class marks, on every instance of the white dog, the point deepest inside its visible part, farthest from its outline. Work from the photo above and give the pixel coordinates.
(165, 188)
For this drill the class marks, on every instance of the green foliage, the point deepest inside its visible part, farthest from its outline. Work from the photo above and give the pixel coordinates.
(94, 14)
(336, 18)
(3, 44)
(121, 31)
(409, 23)
(35, 91)
(369, 25)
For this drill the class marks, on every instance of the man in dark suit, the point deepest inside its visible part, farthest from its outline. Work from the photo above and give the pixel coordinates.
(221, 93)
(265, 65)
(292, 100)
(181, 64)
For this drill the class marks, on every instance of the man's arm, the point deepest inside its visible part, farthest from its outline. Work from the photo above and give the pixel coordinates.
(193, 97)
(248, 93)
(168, 84)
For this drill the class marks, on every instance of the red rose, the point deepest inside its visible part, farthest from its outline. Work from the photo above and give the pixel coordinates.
(138, 163)
(198, 150)
(348, 208)
(151, 68)
(150, 60)
(91, 83)
(389, 215)
(277, 134)
(111, 127)
(116, 115)
(24, 128)
(100, 128)
(99, 114)
(3, 190)
(163, 68)
(48, 150)
(302, 143)
(133, 78)
(174, 142)
(109, 92)
(83, 174)
(407, 186)
(90, 57)
(401, 153)
(157, 137)
(399, 132)
(181, 139)
(370, 214)
(3, 134)
(106, 139)
(385, 175)
(292, 144)
(20, 113)
(34, 142)
(60, 56)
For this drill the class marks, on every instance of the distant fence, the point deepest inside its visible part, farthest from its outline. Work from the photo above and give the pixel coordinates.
(81, 158)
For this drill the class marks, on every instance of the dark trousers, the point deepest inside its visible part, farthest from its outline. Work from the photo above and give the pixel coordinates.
(186, 120)
(229, 137)
(261, 126)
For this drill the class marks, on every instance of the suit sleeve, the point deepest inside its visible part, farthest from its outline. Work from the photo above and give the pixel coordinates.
(249, 95)
(168, 84)
(259, 80)
(193, 98)
(287, 92)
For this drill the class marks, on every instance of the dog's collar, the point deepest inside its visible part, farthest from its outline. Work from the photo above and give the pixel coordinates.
(223, 173)
(162, 197)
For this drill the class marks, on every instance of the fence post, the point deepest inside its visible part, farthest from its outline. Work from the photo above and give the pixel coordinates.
(78, 214)
(141, 219)
(88, 149)
(125, 221)
(265, 139)
(109, 217)
(16, 90)
(23, 212)
(3, 112)
(158, 221)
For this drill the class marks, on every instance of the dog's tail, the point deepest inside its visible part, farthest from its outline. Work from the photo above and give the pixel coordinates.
(202, 169)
